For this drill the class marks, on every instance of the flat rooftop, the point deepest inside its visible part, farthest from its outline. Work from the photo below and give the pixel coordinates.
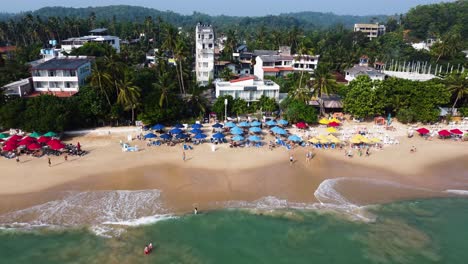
(61, 64)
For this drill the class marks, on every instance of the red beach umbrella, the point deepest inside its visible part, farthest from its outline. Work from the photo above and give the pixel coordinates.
(333, 124)
(301, 125)
(9, 148)
(57, 146)
(456, 131)
(444, 133)
(53, 142)
(43, 140)
(34, 146)
(26, 141)
(15, 138)
(423, 131)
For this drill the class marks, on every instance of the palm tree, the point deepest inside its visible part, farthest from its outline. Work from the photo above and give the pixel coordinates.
(180, 53)
(324, 83)
(165, 85)
(458, 86)
(129, 94)
(197, 99)
(101, 79)
(171, 42)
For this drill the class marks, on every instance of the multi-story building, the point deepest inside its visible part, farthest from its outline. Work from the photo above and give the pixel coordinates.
(61, 74)
(371, 30)
(363, 69)
(248, 88)
(98, 35)
(281, 63)
(204, 57)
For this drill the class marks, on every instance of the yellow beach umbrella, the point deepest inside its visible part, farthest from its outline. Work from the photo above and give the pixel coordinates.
(330, 137)
(314, 140)
(355, 141)
(324, 140)
(324, 121)
(335, 140)
(332, 130)
(365, 140)
(376, 140)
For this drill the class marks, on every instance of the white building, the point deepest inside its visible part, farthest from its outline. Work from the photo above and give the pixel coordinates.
(248, 88)
(97, 35)
(62, 74)
(282, 63)
(363, 69)
(204, 56)
(371, 30)
(424, 45)
(19, 88)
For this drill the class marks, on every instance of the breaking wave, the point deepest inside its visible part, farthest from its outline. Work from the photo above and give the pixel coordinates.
(458, 192)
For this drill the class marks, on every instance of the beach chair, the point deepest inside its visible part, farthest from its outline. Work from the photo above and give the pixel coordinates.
(333, 146)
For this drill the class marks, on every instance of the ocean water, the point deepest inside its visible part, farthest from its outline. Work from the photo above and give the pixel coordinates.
(422, 231)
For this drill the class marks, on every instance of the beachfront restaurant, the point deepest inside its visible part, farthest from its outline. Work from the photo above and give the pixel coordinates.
(248, 88)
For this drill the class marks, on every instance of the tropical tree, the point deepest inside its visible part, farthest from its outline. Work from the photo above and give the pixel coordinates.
(239, 106)
(196, 100)
(129, 95)
(324, 83)
(165, 85)
(457, 84)
(101, 79)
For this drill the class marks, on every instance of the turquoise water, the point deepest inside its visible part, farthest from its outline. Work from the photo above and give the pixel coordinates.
(427, 231)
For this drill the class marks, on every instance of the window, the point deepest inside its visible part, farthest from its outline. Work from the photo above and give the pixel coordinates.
(205, 64)
(199, 36)
(203, 46)
(211, 36)
(73, 73)
(51, 73)
(205, 74)
(210, 46)
(205, 56)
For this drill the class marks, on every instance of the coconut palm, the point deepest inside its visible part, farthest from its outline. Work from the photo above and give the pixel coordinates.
(458, 86)
(324, 83)
(165, 85)
(101, 79)
(129, 95)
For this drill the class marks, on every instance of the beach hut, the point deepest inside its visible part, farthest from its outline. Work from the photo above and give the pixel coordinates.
(301, 125)
(196, 131)
(175, 131)
(230, 124)
(34, 146)
(255, 124)
(165, 136)
(444, 133)
(158, 127)
(238, 138)
(50, 134)
(218, 136)
(423, 131)
(217, 125)
(255, 138)
(324, 121)
(243, 124)
(283, 122)
(456, 132)
(200, 136)
(35, 135)
(271, 123)
(255, 130)
(150, 135)
(43, 139)
(197, 126)
(294, 138)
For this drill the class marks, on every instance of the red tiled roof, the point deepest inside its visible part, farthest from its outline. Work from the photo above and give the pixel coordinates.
(278, 69)
(286, 69)
(58, 94)
(270, 70)
(242, 79)
(340, 78)
(7, 49)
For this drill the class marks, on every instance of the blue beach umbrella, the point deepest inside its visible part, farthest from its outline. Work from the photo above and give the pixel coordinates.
(255, 138)
(237, 131)
(175, 131)
(283, 122)
(218, 136)
(182, 136)
(243, 124)
(178, 126)
(197, 126)
(150, 135)
(255, 124)
(238, 138)
(200, 136)
(217, 125)
(230, 124)
(271, 123)
(255, 129)
(165, 136)
(279, 131)
(158, 127)
(196, 131)
(294, 138)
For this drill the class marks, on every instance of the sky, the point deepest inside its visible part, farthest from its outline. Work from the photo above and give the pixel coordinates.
(236, 7)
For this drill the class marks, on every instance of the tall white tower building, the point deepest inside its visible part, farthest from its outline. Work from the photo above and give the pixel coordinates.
(204, 57)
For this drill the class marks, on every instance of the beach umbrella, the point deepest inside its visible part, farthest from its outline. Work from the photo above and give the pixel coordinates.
(356, 139)
(3, 136)
(255, 129)
(230, 124)
(365, 140)
(34, 146)
(43, 139)
(301, 125)
(333, 124)
(271, 123)
(50, 134)
(444, 133)
(150, 135)
(26, 141)
(238, 138)
(200, 136)
(175, 131)
(283, 122)
(243, 124)
(255, 123)
(158, 127)
(314, 140)
(182, 136)
(237, 131)
(279, 131)
(456, 131)
(218, 136)
(35, 135)
(255, 138)
(178, 126)
(335, 140)
(197, 126)
(196, 131)
(15, 138)
(294, 138)
(217, 125)
(376, 140)
(331, 130)
(9, 148)
(57, 146)
(12, 143)
(324, 121)
(423, 131)
(165, 136)
(53, 142)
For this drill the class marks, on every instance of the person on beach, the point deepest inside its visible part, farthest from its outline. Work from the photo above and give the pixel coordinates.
(17, 159)
(50, 163)
(66, 157)
(195, 211)
(367, 152)
(291, 159)
(183, 156)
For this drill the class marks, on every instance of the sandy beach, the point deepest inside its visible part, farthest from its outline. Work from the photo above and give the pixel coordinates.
(207, 179)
